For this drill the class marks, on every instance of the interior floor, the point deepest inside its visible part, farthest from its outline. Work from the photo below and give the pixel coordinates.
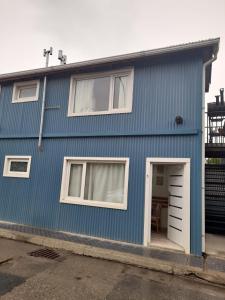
(215, 244)
(160, 240)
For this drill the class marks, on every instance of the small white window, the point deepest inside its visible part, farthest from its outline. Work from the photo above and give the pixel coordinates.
(99, 182)
(25, 91)
(17, 166)
(101, 93)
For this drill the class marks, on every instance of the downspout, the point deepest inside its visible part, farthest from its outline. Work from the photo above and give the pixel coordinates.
(42, 114)
(46, 54)
(205, 64)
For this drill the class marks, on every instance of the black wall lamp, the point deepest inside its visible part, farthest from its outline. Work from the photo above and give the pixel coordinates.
(179, 120)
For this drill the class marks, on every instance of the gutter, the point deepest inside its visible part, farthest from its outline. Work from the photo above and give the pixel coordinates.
(205, 64)
(111, 59)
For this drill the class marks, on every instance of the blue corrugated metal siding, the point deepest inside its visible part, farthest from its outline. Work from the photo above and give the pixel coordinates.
(18, 118)
(161, 91)
(35, 201)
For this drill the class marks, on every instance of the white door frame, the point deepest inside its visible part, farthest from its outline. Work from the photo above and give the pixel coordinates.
(148, 197)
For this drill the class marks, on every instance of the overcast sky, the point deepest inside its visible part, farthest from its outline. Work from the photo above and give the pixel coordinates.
(88, 29)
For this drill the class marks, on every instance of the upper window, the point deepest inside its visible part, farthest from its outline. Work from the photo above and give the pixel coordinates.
(95, 181)
(17, 166)
(25, 91)
(101, 93)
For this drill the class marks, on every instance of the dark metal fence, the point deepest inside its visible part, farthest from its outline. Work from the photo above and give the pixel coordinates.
(215, 198)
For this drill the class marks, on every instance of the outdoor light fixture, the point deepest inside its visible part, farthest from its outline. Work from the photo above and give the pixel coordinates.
(179, 120)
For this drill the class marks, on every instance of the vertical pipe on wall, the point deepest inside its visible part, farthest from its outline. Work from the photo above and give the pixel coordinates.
(46, 54)
(205, 64)
(42, 114)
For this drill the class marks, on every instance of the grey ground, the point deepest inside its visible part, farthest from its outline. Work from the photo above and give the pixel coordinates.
(77, 277)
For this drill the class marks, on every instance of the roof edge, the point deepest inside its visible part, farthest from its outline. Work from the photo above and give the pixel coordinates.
(214, 43)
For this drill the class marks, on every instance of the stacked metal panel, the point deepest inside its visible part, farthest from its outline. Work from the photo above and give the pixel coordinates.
(215, 198)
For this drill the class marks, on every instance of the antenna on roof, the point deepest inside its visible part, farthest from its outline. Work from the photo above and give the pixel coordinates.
(46, 54)
(62, 57)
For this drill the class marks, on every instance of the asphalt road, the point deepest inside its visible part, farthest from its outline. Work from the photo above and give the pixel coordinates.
(76, 277)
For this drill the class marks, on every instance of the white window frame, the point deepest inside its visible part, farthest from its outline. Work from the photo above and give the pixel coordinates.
(112, 74)
(13, 158)
(64, 198)
(18, 85)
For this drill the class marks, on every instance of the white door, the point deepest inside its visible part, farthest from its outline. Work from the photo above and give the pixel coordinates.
(176, 205)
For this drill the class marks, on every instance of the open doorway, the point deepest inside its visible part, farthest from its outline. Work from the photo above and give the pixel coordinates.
(167, 204)
(165, 218)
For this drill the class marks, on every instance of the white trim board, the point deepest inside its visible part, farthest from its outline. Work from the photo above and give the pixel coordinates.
(148, 197)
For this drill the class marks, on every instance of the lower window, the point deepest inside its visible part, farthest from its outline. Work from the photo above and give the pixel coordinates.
(17, 166)
(95, 181)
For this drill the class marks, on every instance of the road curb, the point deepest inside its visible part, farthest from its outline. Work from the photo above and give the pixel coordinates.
(113, 255)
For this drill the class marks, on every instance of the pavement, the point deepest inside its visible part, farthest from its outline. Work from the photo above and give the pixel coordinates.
(71, 276)
(208, 267)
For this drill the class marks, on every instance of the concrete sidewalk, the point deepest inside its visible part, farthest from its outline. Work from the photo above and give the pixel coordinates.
(209, 268)
(76, 277)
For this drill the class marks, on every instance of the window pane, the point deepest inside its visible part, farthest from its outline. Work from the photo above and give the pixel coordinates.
(75, 180)
(120, 88)
(105, 182)
(18, 166)
(27, 91)
(92, 95)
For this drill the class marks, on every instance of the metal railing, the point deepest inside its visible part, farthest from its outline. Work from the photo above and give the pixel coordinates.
(215, 128)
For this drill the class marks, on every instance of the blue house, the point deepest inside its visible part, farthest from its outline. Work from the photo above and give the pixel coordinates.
(111, 148)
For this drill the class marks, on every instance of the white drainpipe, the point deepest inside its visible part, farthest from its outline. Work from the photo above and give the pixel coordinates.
(210, 61)
(46, 54)
(42, 114)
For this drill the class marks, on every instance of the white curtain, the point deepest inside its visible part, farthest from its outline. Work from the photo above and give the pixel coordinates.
(75, 180)
(122, 93)
(84, 101)
(120, 90)
(105, 182)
